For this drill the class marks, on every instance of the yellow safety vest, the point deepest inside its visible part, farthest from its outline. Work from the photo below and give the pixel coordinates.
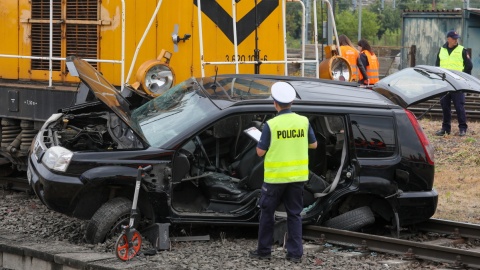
(454, 60)
(287, 158)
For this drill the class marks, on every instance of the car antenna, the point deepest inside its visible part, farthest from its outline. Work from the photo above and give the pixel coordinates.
(214, 84)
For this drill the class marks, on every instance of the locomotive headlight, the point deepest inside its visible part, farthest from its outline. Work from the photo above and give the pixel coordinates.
(158, 79)
(155, 76)
(57, 158)
(335, 68)
(340, 69)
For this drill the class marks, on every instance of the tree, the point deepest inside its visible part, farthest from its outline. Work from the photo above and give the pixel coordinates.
(347, 23)
(294, 20)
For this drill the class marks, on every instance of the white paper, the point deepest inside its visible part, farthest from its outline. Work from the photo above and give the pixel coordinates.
(254, 133)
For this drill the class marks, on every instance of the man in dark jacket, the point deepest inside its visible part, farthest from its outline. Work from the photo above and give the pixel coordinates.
(453, 56)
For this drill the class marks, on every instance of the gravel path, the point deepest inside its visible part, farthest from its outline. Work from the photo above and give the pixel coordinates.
(227, 249)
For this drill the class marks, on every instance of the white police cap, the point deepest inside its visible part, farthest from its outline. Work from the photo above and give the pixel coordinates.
(283, 92)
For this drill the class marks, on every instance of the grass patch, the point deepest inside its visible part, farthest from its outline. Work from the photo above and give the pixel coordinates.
(457, 171)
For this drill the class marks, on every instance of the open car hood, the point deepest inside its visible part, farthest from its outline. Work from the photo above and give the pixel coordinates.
(410, 86)
(101, 88)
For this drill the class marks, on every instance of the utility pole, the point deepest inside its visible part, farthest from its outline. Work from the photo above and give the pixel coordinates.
(359, 19)
(308, 9)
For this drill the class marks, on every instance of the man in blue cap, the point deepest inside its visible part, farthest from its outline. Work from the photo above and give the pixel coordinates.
(453, 56)
(287, 138)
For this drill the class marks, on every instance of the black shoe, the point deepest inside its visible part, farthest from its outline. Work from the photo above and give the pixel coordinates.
(293, 259)
(462, 133)
(442, 132)
(256, 255)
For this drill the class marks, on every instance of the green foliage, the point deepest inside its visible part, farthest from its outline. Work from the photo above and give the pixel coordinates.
(347, 23)
(293, 43)
(390, 38)
(293, 20)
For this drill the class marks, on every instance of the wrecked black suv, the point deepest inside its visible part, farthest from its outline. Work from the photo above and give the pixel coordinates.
(373, 164)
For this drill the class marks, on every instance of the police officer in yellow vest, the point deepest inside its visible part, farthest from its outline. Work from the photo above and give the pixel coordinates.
(287, 138)
(453, 56)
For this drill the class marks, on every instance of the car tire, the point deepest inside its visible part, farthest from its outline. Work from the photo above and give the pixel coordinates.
(353, 220)
(107, 221)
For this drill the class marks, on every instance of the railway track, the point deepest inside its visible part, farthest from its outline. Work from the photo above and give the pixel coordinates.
(457, 244)
(435, 241)
(472, 108)
(17, 183)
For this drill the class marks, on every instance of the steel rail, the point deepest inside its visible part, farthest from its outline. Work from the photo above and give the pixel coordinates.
(15, 183)
(460, 229)
(409, 249)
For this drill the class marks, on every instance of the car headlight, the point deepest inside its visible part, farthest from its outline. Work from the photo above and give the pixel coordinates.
(57, 158)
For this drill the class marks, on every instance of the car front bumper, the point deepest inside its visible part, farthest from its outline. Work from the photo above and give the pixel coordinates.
(58, 192)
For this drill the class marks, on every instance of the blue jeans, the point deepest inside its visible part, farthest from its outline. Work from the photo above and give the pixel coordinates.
(458, 99)
(292, 196)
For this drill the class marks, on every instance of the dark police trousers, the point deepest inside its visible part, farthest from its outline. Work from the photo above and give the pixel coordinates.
(291, 194)
(458, 99)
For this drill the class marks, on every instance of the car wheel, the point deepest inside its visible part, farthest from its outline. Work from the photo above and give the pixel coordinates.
(108, 220)
(353, 220)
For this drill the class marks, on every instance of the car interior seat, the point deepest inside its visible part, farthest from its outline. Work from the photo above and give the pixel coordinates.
(317, 158)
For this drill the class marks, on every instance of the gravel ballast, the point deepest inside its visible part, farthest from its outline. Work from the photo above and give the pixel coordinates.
(227, 248)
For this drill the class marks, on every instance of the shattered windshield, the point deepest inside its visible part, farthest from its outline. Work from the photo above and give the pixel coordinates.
(172, 113)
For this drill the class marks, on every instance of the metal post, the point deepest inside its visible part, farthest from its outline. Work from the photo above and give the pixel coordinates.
(284, 7)
(235, 45)
(359, 19)
(307, 19)
(256, 51)
(50, 49)
(315, 27)
(142, 39)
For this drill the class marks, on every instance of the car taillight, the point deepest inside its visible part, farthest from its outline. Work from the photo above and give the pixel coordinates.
(427, 147)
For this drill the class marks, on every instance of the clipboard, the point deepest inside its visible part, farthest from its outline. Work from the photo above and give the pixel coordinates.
(254, 133)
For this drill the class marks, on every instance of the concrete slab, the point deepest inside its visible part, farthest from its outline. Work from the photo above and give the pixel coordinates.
(12, 261)
(81, 259)
(12, 247)
(116, 264)
(37, 264)
(47, 251)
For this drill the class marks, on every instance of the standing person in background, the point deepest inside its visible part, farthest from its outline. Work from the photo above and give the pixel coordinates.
(287, 138)
(369, 60)
(349, 52)
(453, 56)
